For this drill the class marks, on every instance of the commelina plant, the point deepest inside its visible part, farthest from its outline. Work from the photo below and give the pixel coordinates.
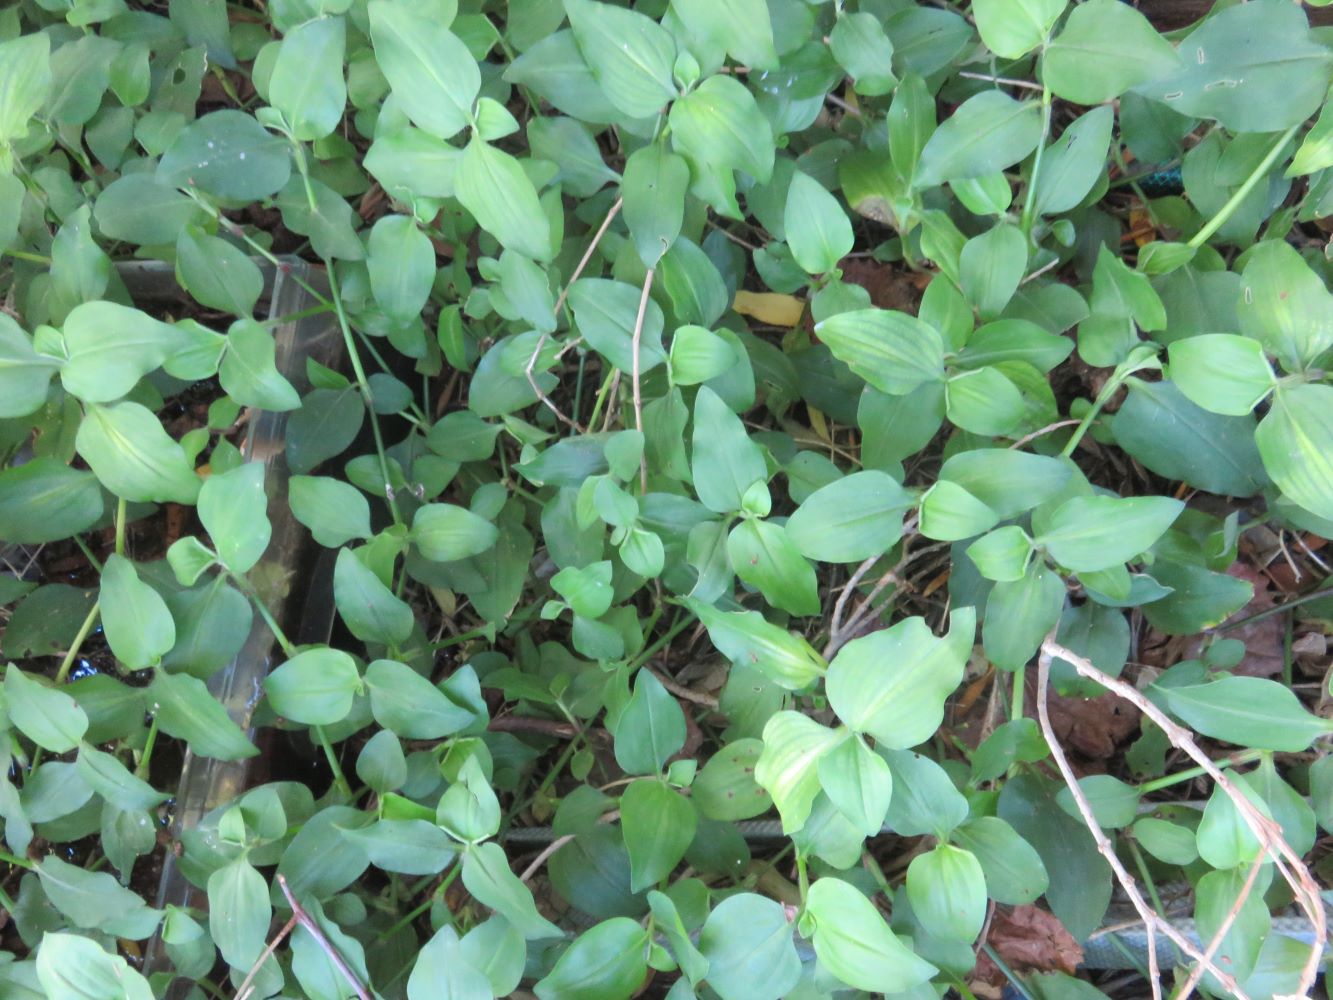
(736, 391)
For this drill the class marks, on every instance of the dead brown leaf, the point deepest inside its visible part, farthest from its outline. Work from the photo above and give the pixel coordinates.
(1029, 940)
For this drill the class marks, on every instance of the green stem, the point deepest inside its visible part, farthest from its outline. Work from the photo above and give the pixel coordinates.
(245, 587)
(601, 397)
(1030, 202)
(1008, 972)
(462, 637)
(141, 769)
(1242, 192)
(32, 258)
(316, 310)
(88, 553)
(120, 526)
(1142, 865)
(423, 907)
(677, 627)
(1189, 774)
(18, 862)
(1140, 357)
(1277, 609)
(1016, 706)
(367, 396)
(339, 778)
(73, 650)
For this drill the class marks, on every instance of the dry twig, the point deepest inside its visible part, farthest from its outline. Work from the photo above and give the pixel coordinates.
(634, 374)
(559, 304)
(305, 920)
(1305, 890)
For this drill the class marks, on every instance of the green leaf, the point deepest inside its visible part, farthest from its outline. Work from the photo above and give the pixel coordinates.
(855, 944)
(307, 83)
(858, 782)
(1200, 599)
(1093, 533)
(850, 519)
(44, 500)
(248, 373)
(892, 351)
(227, 154)
(605, 963)
(110, 779)
(233, 508)
(47, 716)
(1013, 28)
(401, 262)
(788, 765)
(1073, 164)
(1166, 841)
(238, 912)
(1284, 305)
(1105, 49)
(1225, 897)
(861, 47)
(73, 967)
(651, 727)
(817, 228)
(606, 313)
(719, 125)
(725, 789)
(741, 28)
(1316, 149)
(25, 82)
(186, 710)
(407, 846)
(139, 627)
(725, 462)
(1114, 804)
(893, 683)
(698, 354)
(1296, 442)
(315, 687)
(216, 273)
(1009, 482)
(991, 266)
(1002, 554)
(630, 55)
(433, 76)
(94, 900)
(749, 947)
(487, 876)
(925, 800)
(984, 401)
(410, 706)
(25, 375)
(950, 513)
(659, 824)
(667, 919)
(442, 972)
(554, 69)
(334, 511)
(764, 556)
(1019, 613)
(494, 188)
(1250, 68)
(653, 188)
(745, 637)
(947, 890)
(1013, 869)
(110, 347)
(1222, 372)
(988, 132)
(1158, 426)
(1248, 711)
(446, 533)
(368, 608)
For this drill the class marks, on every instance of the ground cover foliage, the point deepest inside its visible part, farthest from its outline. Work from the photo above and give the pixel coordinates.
(752, 410)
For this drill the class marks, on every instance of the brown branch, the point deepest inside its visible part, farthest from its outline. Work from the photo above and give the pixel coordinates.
(1304, 888)
(559, 304)
(244, 990)
(527, 724)
(634, 374)
(305, 920)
